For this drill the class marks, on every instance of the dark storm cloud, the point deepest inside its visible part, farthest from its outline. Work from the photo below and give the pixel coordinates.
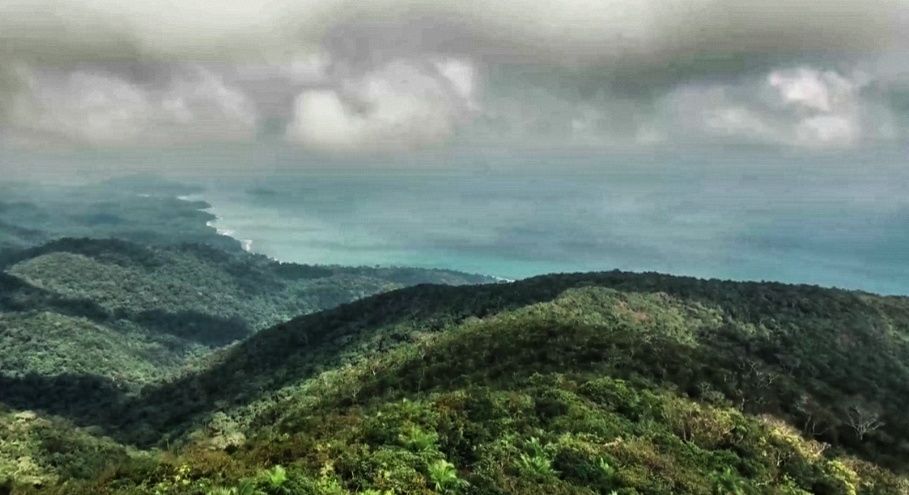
(400, 74)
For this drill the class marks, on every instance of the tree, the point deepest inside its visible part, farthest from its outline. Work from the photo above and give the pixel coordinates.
(815, 419)
(863, 418)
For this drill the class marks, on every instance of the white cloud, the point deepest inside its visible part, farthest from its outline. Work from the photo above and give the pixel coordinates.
(299, 68)
(399, 106)
(825, 104)
(739, 122)
(460, 77)
(105, 109)
(798, 107)
(812, 89)
(828, 131)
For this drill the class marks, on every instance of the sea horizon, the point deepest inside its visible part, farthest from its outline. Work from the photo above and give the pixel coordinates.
(286, 219)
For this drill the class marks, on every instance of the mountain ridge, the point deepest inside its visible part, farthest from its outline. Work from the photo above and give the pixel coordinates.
(170, 361)
(677, 366)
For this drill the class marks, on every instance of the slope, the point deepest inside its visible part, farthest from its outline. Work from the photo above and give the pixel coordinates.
(802, 352)
(37, 451)
(587, 383)
(85, 322)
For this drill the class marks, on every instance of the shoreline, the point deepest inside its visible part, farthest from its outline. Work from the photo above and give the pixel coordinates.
(245, 244)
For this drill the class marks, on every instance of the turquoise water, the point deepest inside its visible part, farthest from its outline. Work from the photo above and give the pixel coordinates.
(842, 227)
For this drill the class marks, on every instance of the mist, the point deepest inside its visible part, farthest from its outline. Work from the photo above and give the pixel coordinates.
(757, 216)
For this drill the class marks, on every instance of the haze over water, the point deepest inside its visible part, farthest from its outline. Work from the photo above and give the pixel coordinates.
(782, 220)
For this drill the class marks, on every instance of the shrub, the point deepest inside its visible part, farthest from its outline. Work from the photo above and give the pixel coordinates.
(536, 462)
(416, 439)
(444, 476)
(275, 478)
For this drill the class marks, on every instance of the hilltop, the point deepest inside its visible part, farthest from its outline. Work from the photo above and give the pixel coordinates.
(583, 383)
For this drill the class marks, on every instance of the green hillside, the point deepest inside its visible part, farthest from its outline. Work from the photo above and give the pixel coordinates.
(143, 353)
(121, 284)
(114, 315)
(38, 451)
(198, 292)
(147, 292)
(588, 383)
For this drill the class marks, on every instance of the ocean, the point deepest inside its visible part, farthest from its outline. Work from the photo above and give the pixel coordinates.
(841, 228)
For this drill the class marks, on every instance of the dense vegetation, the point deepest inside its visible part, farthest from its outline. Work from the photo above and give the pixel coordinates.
(37, 450)
(199, 292)
(562, 384)
(122, 310)
(126, 312)
(146, 292)
(141, 364)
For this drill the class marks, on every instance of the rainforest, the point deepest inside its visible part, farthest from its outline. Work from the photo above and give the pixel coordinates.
(165, 359)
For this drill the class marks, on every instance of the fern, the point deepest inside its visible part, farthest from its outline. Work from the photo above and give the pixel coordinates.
(444, 476)
(276, 477)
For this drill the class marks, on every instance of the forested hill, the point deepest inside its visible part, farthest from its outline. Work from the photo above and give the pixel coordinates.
(143, 353)
(149, 309)
(585, 383)
(146, 292)
(766, 347)
(197, 291)
(110, 287)
(31, 215)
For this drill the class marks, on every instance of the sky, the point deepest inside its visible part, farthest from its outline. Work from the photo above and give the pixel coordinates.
(398, 76)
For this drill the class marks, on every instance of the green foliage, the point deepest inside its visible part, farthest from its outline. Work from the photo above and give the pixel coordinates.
(729, 483)
(144, 293)
(144, 314)
(36, 450)
(107, 291)
(47, 343)
(571, 384)
(417, 440)
(535, 461)
(245, 487)
(585, 389)
(444, 477)
(276, 477)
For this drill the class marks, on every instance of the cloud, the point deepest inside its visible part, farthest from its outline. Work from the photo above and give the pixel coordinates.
(109, 109)
(570, 31)
(400, 106)
(795, 107)
(811, 89)
(386, 74)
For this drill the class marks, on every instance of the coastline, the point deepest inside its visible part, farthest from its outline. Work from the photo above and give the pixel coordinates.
(245, 244)
(248, 244)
